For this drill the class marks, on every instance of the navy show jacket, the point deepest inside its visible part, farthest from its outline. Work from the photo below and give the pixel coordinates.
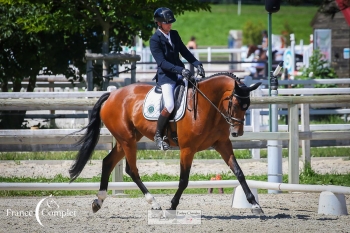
(167, 56)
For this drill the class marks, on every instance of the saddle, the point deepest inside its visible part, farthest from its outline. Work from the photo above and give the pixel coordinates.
(154, 102)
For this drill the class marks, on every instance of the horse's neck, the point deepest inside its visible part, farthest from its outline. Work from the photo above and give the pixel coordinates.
(214, 88)
(262, 55)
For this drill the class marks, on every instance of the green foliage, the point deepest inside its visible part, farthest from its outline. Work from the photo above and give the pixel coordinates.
(171, 154)
(287, 30)
(252, 33)
(318, 69)
(120, 19)
(211, 29)
(329, 119)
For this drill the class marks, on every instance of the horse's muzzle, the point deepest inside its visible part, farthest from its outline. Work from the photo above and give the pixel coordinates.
(235, 133)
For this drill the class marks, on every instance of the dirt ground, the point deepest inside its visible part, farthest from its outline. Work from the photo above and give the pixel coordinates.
(289, 212)
(50, 168)
(294, 212)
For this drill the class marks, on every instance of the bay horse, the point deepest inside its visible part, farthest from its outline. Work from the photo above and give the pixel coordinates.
(259, 56)
(220, 108)
(262, 56)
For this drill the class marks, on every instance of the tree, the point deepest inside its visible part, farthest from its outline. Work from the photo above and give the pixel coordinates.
(54, 34)
(328, 7)
(318, 69)
(26, 54)
(252, 33)
(122, 20)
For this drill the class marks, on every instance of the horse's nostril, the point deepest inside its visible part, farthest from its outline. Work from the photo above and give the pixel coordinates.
(234, 134)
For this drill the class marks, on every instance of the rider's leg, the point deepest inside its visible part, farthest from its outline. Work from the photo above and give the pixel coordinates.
(168, 96)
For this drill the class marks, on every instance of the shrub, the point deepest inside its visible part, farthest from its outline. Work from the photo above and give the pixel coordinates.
(318, 69)
(252, 33)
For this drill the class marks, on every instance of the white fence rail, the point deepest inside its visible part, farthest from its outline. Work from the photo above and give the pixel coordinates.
(10, 137)
(175, 185)
(305, 111)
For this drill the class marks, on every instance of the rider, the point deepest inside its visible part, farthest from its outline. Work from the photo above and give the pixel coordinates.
(165, 45)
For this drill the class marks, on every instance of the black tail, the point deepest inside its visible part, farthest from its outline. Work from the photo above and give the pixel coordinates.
(89, 140)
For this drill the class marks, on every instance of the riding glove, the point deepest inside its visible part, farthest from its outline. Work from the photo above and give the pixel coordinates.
(186, 73)
(201, 71)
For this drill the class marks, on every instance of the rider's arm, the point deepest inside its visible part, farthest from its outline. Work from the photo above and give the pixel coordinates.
(158, 54)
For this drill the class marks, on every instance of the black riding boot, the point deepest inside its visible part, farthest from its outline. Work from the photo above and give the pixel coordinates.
(161, 124)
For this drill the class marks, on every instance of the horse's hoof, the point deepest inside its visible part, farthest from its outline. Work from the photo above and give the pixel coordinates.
(157, 213)
(257, 210)
(95, 206)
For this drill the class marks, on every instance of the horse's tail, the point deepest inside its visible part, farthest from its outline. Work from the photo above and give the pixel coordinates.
(89, 140)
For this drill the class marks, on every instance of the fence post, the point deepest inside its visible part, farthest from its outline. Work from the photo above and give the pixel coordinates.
(127, 81)
(255, 122)
(89, 76)
(117, 173)
(305, 127)
(133, 68)
(52, 120)
(209, 58)
(293, 162)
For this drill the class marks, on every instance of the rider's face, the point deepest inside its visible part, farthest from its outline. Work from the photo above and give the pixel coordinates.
(165, 27)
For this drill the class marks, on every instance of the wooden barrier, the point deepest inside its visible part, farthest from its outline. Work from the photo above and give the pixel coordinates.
(49, 136)
(87, 104)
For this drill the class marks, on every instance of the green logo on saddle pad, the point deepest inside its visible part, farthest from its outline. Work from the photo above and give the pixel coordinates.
(151, 109)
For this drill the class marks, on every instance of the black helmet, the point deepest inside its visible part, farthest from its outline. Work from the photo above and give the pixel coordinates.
(164, 15)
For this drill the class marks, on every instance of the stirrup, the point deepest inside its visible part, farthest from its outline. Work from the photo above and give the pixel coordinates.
(161, 144)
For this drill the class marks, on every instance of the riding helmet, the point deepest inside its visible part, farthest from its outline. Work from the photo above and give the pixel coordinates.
(164, 15)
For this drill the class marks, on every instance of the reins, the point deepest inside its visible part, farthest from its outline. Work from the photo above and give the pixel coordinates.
(227, 117)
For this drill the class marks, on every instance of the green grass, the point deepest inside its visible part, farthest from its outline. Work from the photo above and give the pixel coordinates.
(307, 177)
(212, 28)
(171, 154)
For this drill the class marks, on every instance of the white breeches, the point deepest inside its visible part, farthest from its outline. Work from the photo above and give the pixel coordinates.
(168, 96)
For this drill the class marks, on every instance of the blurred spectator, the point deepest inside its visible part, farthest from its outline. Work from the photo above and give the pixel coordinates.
(192, 43)
(264, 42)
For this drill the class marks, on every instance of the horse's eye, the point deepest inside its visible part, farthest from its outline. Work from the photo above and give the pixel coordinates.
(245, 106)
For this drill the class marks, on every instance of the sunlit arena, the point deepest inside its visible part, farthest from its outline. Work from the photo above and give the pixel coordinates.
(208, 116)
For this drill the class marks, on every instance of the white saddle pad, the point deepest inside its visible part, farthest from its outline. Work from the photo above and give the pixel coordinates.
(151, 105)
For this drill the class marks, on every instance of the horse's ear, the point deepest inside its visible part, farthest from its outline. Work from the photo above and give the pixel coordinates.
(253, 87)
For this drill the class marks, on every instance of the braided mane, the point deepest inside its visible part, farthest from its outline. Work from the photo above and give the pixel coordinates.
(231, 75)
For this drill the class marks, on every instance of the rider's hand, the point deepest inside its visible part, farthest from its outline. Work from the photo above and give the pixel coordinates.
(201, 71)
(186, 73)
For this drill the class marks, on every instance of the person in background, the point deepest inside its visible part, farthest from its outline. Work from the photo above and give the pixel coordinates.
(192, 43)
(265, 41)
(166, 45)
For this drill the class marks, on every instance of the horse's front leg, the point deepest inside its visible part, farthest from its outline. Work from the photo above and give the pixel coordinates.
(132, 171)
(226, 152)
(186, 158)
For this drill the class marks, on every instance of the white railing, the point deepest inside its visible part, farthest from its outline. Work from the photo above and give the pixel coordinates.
(47, 136)
(175, 185)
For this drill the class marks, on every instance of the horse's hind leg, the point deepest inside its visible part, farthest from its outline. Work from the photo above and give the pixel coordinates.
(226, 152)
(108, 165)
(132, 171)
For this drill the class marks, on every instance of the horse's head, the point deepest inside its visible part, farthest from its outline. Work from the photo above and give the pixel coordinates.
(251, 50)
(258, 52)
(238, 103)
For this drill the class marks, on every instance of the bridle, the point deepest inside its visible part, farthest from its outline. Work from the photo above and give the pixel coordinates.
(229, 117)
(232, 121)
